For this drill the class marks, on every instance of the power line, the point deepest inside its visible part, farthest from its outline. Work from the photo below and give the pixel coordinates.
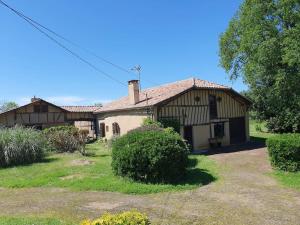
(72, 42)
(61, 45)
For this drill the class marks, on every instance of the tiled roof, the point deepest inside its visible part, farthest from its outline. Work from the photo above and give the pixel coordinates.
(158, 94)
(81, 108)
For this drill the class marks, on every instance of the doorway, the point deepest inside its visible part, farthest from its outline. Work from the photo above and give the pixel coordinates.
(237, 130)
(188, 135)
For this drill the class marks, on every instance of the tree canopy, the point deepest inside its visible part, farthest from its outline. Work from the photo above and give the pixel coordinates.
(262, 45)
(5, 106)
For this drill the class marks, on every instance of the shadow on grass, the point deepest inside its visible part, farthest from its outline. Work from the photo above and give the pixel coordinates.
(42, 161)
(94, 154)
(258, 139)
(254, 144)
(196, 176)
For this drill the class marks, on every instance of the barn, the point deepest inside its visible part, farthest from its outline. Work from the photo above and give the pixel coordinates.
(209, 114)
(42, 114)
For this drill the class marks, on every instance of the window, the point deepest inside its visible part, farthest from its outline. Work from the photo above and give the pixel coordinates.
(44, 108)
(36, 108)
(106, 128)
(213, 113)
(219, 130)
(40, 108)
(197, 99)
(116, 129)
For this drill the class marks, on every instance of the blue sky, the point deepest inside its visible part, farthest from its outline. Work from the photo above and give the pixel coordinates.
(170, 39)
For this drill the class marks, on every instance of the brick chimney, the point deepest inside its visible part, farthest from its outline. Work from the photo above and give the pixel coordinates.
(133, 91)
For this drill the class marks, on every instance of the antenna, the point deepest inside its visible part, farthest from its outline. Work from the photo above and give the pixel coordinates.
(138, 69)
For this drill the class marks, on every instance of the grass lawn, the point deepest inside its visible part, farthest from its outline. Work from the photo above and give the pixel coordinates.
(93, 172)
(256, 134)
(31, 221)
(287, 179)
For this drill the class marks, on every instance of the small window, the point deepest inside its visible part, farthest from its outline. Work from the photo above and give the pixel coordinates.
(116, 129)
(197, 99)
(106, 128)
(37, 108)
(40, 108)
(219, 130)
(44, 108)
(213, 113)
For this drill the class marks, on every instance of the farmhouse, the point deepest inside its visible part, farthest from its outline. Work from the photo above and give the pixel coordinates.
(208, 113)
(42, 114)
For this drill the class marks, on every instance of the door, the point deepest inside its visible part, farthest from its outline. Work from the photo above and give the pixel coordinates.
(237, 130)
(188, 135)
(102, 129)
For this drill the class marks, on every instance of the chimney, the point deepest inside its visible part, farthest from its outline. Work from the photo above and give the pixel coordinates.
(34, 99)
(133, 91)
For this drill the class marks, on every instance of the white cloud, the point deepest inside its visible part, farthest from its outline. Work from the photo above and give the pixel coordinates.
(66, 100)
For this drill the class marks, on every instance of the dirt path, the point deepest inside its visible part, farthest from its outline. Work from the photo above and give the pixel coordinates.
(244, 195)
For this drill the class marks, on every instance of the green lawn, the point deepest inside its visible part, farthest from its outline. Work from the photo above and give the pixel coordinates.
(256, 134)
(69, 171)
(287, 179)
(31, 221)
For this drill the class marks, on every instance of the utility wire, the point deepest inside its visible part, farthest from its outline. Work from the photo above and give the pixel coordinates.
(71, 42)
(61, 45)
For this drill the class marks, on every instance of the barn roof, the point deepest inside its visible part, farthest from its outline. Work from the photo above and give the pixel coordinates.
(81, 108)
(156, 95)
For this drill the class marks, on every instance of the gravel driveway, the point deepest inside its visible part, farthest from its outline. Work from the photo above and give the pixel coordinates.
(245, 194)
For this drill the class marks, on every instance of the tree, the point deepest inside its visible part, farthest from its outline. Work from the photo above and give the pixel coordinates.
(6, 106)
(262, 45)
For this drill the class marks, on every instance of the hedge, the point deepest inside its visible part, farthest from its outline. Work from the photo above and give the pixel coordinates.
(284, 152)
(157, 156)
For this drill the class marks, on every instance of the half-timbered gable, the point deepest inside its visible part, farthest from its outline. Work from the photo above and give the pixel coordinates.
(42, 114)
(208, 113)
(193, 107)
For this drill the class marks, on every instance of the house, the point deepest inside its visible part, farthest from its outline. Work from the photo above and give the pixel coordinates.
(42, 114)
(208, 113)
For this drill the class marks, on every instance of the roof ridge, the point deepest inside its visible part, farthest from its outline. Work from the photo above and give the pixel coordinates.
(167, 84)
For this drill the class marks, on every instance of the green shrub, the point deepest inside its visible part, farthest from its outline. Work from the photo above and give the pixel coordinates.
(284, 121)
(284, 151)
(20, 146)
(150, 156)
(150, 122)
(169, 122)
(66, 138)
(149, 127)
(132, 217)
(258, 127)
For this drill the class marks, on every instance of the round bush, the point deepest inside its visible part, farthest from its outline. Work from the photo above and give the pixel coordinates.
(21, 146)
(284, 151)
(65, 138)
(150, 156)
